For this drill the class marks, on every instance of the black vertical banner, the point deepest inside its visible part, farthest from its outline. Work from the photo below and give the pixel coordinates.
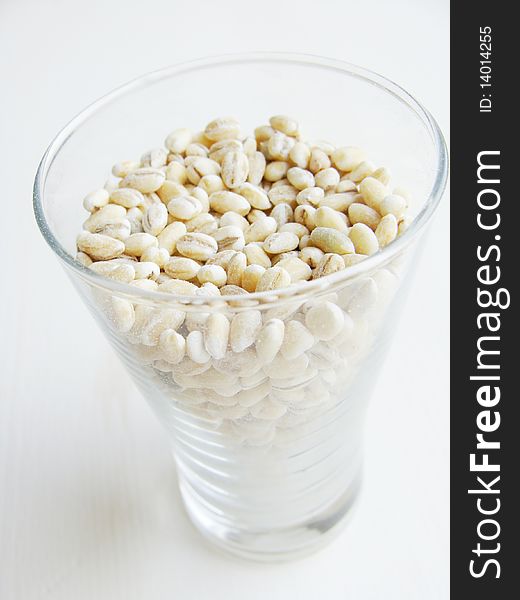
(485, 251)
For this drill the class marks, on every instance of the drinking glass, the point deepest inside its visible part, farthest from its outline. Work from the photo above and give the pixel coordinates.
(268, 451)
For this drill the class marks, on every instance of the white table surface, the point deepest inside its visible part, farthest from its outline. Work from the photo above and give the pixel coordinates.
(88, 501)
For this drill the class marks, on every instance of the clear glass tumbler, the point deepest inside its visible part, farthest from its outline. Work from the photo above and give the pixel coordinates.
(268, 450)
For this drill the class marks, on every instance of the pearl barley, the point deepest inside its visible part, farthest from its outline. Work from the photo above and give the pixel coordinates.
(217, 215)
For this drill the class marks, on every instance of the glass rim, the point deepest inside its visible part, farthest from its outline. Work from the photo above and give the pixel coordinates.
(300, 289)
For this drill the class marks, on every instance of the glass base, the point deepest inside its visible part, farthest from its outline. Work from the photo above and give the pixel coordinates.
(275, 545)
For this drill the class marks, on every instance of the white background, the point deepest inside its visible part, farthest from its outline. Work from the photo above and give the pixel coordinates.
(88, 501)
